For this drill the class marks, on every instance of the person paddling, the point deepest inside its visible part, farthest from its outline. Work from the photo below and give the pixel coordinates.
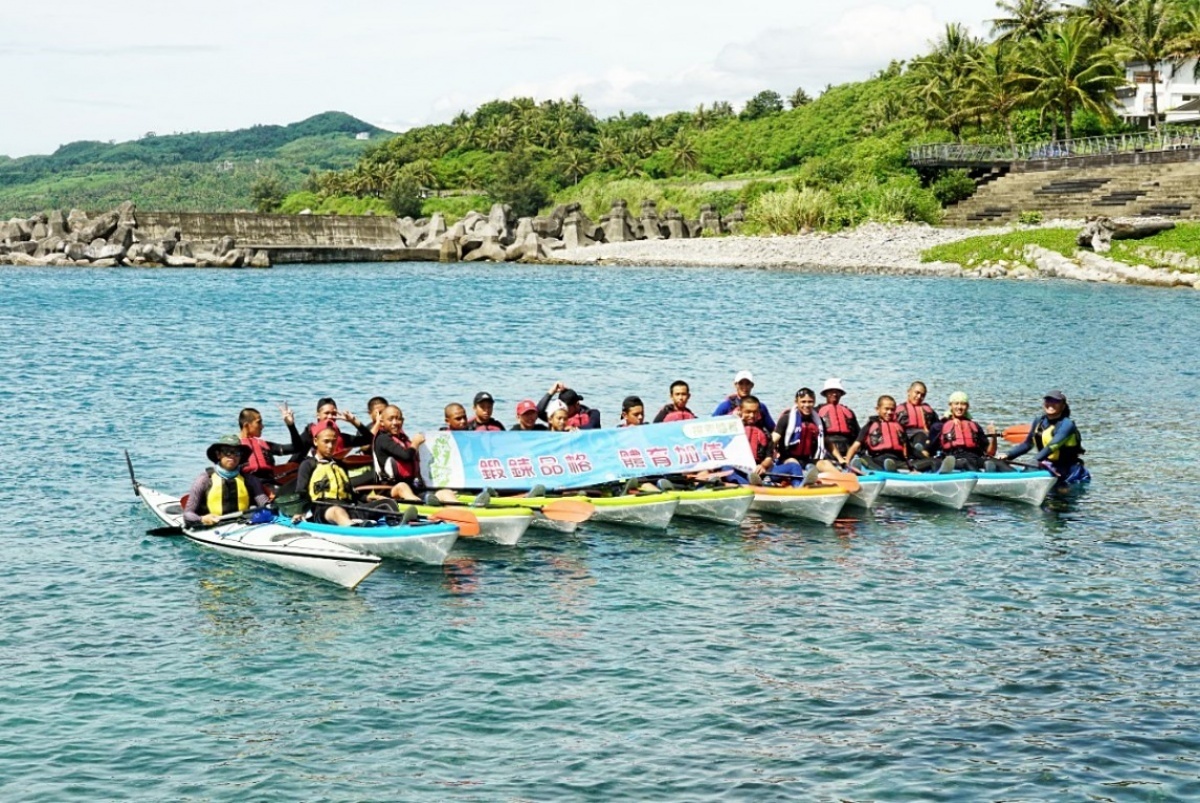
(483, 422)
(322, 482)
(223, 489)
(743, 385)
(841, 425)
(455, 416)
(881, 441)
(762, 450)
(527, 417)
(579, 416)
(960, 441)
(1058, 440)
(799, 439)
(396, 459)
(676, 409)
(327, 417)
(633, 412)
(917, 418)
(261, 462)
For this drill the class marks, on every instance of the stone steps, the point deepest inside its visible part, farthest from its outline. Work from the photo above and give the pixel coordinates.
(1168, 190)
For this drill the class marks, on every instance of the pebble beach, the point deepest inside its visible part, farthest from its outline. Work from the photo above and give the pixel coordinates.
(873, 248)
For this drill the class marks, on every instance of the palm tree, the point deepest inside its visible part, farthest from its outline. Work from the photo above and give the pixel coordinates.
(1070, 69)
(575, 164)
(1027, 19)
(993, 90)
(1149, 31)
(1105, 16)
(684, 155)
(608, 152)
(942, 76)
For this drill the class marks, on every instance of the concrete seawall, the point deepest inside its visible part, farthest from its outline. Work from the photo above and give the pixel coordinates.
(292, 238)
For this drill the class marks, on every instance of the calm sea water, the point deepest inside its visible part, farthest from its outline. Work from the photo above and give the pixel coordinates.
(997, 653)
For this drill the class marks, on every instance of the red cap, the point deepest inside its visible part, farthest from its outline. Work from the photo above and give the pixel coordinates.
(525, 406)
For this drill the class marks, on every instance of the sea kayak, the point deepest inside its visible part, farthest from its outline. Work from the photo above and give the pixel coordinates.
(869, 490)
(815, 503)
(276, 543)
(947, 490)
(1020, 485)
(499, 526)
(651, 510)
(725, 505)
(418, 541)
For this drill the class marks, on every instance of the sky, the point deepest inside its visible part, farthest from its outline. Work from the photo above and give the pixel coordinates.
(75, 71)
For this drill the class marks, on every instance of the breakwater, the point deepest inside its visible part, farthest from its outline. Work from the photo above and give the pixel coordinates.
(125, 236)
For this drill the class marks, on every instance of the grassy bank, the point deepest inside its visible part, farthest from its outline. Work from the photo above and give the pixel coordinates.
(1177, 249)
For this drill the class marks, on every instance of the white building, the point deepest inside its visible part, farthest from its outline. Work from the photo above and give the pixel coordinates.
(1178, 93)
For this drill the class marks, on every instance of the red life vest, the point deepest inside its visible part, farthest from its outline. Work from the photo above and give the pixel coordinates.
(885, 436)
(916, 416)
(960, 433)
(317, 427)
(391, 469)
(805, 446)
(760, 443)
(260, 457)
(491, 426)
(837, 418)
(678, 415)
(579, 421)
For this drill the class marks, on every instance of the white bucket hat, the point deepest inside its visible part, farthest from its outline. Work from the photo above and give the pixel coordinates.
(746, 375)
(833, 383)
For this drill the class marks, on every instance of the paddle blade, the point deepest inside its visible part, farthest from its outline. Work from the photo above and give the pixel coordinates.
(468, 522)
(842, 479)
(160, 532)
(574, 510)
(1017, 434)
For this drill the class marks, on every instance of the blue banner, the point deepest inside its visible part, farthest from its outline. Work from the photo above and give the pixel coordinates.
(520, 460)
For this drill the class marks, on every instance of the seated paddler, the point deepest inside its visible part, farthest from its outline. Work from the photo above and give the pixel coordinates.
(222, 488)
(322, 482)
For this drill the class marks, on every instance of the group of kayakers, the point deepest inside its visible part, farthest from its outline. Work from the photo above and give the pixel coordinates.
(805, 440)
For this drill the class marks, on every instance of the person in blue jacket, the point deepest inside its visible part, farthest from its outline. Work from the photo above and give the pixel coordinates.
(1059, 444)
(743, 384)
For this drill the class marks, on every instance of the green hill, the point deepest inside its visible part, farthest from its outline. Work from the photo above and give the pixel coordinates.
(206, 172)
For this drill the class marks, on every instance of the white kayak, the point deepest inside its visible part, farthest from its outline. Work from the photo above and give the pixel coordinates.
(274, 543)
(868, 493)
(724, 505)
(1021, 485)
(417, 541)
(947, 490)
(817, 503)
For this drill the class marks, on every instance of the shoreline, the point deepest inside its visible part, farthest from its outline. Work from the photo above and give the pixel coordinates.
(870, 249)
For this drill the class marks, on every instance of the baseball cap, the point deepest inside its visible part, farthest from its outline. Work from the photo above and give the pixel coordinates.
(483, 396)
(526, 406)
(1055, 395)
(569, 397)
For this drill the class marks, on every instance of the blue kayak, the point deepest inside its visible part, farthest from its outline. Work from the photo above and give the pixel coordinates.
(418, 541)
(948, 490)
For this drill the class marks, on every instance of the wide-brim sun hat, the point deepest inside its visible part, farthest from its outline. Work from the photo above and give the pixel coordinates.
(225, 442)
(833, 383)
(743, 376)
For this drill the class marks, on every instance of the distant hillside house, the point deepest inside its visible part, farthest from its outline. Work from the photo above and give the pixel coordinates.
(363, 135)
(1178, 93)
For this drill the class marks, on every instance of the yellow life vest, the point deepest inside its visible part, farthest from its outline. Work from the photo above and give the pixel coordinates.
(329, 481)
(217, 494)
(1046, 435)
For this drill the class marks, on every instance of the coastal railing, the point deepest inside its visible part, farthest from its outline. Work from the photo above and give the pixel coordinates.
(967, 154)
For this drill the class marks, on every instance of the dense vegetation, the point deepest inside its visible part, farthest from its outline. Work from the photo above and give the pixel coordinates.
(1051, 71)
(200, 171)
